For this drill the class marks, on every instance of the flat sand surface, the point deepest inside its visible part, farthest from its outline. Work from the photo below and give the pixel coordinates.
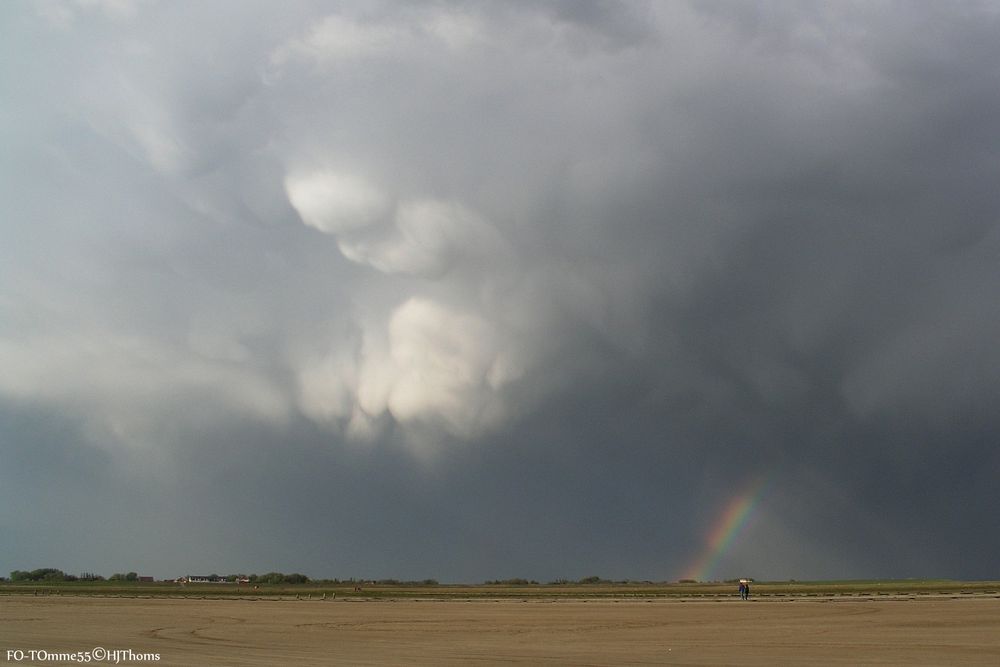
(921, 631)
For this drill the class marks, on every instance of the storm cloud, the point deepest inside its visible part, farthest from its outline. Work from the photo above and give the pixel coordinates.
(483, 290)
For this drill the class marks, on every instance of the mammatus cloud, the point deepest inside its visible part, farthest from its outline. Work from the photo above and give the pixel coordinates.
(435, 365)
(598, 263)
(425, 238)
(426, 361)
(335, 202)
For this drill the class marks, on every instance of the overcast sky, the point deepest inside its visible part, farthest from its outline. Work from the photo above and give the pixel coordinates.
(483, 290)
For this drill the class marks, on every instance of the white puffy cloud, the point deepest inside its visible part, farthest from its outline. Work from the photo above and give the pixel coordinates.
(426, 238)
(419, 237)
(335, 202)
(443, 361)
(432, 365)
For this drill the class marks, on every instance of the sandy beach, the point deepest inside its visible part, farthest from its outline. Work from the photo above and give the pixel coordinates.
(929, 631)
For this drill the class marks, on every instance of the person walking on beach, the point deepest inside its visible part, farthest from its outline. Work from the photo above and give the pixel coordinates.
(743, 590)
(746, 590)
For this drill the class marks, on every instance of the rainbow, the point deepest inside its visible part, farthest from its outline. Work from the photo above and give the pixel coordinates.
(726, 529)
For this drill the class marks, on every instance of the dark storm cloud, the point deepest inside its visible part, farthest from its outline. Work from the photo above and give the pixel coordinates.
(488, 290)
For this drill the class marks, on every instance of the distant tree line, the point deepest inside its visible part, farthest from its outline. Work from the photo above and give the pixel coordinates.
(277, 578)
(41, 574)
(53, 575)
(560, 582)
(267, 578)
(49, 574)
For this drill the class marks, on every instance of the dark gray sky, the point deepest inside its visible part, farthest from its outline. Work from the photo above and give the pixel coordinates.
(487, 290)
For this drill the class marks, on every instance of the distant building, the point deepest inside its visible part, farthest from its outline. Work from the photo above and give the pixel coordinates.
(147, 580)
